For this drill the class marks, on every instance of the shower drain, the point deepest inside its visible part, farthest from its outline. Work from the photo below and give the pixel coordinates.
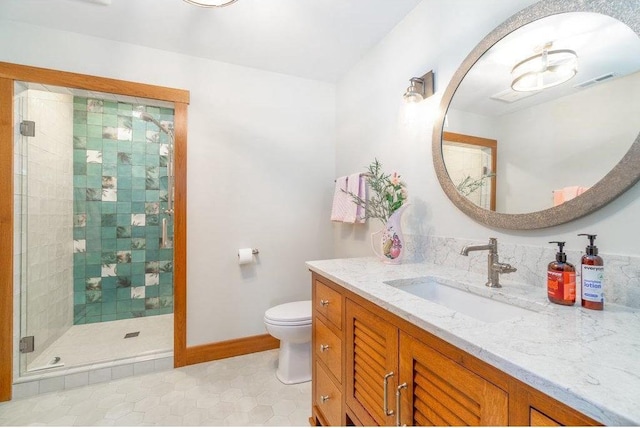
(134, 334)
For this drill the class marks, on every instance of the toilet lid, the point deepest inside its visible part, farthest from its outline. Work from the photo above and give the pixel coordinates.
(294, 312)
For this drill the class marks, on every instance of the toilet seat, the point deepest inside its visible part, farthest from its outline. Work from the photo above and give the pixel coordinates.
(293, 313)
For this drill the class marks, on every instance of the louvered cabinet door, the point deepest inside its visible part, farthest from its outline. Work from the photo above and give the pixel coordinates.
(372, 353)
(440, 392)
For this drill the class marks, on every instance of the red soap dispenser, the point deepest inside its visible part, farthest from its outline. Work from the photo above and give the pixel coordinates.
(561, 279)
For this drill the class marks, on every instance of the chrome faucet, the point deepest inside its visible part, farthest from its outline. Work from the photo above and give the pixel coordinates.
(495, 268)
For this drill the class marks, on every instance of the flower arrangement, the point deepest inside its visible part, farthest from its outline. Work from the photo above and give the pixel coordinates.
(387, 193)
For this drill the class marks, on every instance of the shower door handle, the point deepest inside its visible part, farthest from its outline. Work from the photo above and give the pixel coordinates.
(164, 238)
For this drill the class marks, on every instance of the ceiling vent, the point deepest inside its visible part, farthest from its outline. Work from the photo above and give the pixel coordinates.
(510, 96)
(99, 2)
(595, 80)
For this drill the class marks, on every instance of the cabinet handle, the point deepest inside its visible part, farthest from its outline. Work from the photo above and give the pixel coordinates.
(399, 404)
(385, 403)
(324, 302)
(324, 348)
(324, 398)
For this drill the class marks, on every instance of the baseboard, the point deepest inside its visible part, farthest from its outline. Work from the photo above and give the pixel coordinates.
(230, 348)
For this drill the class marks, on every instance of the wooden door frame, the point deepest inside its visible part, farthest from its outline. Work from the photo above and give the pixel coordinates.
(480, 142)
(9, 73)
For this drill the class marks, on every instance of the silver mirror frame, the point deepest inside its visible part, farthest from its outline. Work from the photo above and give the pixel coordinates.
(623, 176)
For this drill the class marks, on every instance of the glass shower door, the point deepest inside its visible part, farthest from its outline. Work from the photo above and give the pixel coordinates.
(46, 228)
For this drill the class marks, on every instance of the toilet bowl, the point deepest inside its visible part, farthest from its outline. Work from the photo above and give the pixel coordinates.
(291, 324)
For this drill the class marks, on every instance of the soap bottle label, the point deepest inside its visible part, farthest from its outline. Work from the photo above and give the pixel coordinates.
(562, 285)
(592, 283)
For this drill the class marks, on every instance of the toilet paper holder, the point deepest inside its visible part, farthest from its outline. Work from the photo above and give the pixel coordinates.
(253, 251)
(247, 256)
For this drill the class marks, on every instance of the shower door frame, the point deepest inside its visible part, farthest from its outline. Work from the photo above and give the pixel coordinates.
(9, 74)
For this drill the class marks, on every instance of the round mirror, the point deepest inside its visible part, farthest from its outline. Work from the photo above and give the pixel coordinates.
(539, 125)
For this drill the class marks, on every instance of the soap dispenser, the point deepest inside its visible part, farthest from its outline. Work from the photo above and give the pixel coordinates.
(561, 279)
(591, 275)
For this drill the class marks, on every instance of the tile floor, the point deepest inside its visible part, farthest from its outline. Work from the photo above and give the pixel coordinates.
(239, 391)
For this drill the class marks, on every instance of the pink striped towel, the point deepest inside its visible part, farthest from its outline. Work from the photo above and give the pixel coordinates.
(341, 200)
(343, 208)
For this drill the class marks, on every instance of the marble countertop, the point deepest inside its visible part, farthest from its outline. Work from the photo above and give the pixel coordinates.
(589, 360)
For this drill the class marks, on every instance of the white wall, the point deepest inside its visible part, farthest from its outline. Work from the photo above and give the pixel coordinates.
(438, 35)
(260, 170)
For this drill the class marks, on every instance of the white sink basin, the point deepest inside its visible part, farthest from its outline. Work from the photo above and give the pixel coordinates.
(476, 306)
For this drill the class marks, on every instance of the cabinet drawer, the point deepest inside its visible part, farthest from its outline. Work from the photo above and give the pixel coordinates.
(328, 348)
(328, 397)
(328, 302)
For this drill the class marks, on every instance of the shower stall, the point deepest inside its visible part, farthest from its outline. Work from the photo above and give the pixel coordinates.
(93, 221)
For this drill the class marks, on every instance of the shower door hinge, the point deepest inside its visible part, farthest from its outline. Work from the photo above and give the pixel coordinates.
(26, 344)
(28, 128)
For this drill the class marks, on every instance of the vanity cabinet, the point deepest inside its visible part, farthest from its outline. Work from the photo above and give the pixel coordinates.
(371, 367)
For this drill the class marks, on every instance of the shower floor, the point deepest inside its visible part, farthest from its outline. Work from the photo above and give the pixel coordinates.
(101, 342)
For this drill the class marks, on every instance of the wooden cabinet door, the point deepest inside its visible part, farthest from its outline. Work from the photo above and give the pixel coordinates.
(441, 392)
(539, 419)
(546, 411)
(372, 352)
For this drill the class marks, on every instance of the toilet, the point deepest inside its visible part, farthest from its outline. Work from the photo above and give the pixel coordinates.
(291, 324)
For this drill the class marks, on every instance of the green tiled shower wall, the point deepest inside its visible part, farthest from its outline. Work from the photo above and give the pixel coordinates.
(120, 193)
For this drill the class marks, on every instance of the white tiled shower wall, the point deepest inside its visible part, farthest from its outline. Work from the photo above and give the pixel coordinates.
(43, 208)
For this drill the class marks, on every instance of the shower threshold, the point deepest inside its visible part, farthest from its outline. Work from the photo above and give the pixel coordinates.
(45, 381)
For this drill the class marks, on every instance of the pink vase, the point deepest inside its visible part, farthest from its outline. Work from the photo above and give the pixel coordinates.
(388, 243)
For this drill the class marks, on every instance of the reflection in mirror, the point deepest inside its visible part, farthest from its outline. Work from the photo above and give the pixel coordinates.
(557, 142)
(471, 164)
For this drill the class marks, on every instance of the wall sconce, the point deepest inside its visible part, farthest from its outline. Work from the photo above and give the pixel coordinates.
(211, 3)
(544, 70)
(419, 88)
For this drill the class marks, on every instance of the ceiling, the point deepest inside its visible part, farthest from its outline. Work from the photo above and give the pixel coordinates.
(315, 39)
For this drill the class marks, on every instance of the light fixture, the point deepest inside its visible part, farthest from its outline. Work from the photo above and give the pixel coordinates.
(419, 88)
(544, 70)
(211, 3)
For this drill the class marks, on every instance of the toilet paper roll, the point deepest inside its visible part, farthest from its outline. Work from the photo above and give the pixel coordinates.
(245, 256)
